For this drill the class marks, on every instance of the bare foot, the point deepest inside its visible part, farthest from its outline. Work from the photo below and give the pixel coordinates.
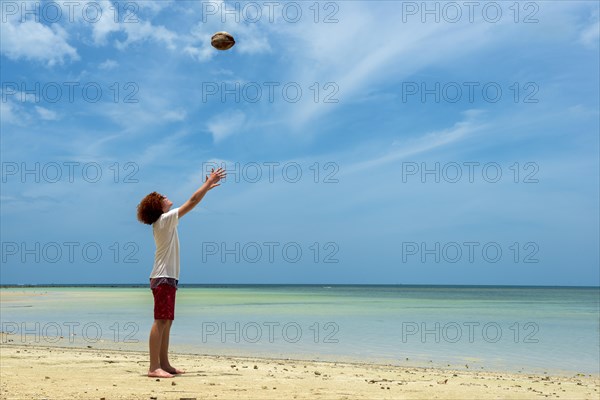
(159, 373)
(173, 370)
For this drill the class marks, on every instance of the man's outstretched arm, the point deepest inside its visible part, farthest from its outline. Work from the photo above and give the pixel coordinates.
(211, 182)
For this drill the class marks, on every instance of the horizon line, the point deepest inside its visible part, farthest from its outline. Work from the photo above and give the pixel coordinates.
(11, 285)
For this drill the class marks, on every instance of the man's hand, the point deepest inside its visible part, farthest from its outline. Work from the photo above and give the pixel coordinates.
(215, 177)
(211, 182)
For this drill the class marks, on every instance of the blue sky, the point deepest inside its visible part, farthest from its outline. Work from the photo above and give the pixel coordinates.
(103, 104)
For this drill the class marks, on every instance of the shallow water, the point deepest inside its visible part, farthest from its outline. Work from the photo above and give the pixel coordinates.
(530, 329)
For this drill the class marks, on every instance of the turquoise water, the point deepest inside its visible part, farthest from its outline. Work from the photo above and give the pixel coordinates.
(529, 329)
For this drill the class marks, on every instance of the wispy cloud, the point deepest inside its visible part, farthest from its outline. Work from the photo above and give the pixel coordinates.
(590, 35)
(108, 65)
(144, 30)
(34, 41)
(201, 54)
(13, 113)
(358, 59)
(224, 125)
(161, 152)
(46, 114)
(427, 142)
(251, 38)
(173, 129)
(136, 29)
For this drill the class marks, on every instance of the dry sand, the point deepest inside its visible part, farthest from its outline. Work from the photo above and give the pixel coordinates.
(42, 372)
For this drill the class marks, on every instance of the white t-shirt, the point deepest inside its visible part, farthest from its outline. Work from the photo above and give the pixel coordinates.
(166, 258)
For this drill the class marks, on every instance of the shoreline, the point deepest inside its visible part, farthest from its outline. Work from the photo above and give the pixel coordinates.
(29, 371)
(474, 367)
(571, 374)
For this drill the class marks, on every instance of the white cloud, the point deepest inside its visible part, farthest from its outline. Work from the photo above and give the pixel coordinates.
(18, 111)
(136, 29)
(35, 41)
(252, 41)
(203, 53)
(145, 30)
(250, 38)
(108, 65)
(12, 113)
(226, 124)
(580, 110)
(154, 6)
(162, 151)
(590, 36)
(105, 24)
(222, 71)
(175, 115)
(425, 143)
(366, 50)
(17, 95)
(45, 114)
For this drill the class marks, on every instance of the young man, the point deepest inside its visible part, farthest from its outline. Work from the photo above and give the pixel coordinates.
(154, 209)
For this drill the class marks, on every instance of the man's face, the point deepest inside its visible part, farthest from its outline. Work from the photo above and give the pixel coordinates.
(166, 204)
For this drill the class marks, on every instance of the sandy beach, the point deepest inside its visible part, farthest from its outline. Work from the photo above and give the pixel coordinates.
(42, 372)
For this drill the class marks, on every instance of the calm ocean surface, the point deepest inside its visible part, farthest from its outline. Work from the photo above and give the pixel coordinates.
(529, 329)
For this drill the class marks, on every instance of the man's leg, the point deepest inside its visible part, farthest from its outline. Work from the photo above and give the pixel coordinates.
(165, 365)
(155, 343)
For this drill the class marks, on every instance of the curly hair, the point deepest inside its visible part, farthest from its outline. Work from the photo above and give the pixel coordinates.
(150, 208)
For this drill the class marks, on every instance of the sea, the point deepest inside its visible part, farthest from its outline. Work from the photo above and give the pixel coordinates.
(553, 330)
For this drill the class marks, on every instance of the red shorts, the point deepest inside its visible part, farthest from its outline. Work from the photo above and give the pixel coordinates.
(164, 301)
